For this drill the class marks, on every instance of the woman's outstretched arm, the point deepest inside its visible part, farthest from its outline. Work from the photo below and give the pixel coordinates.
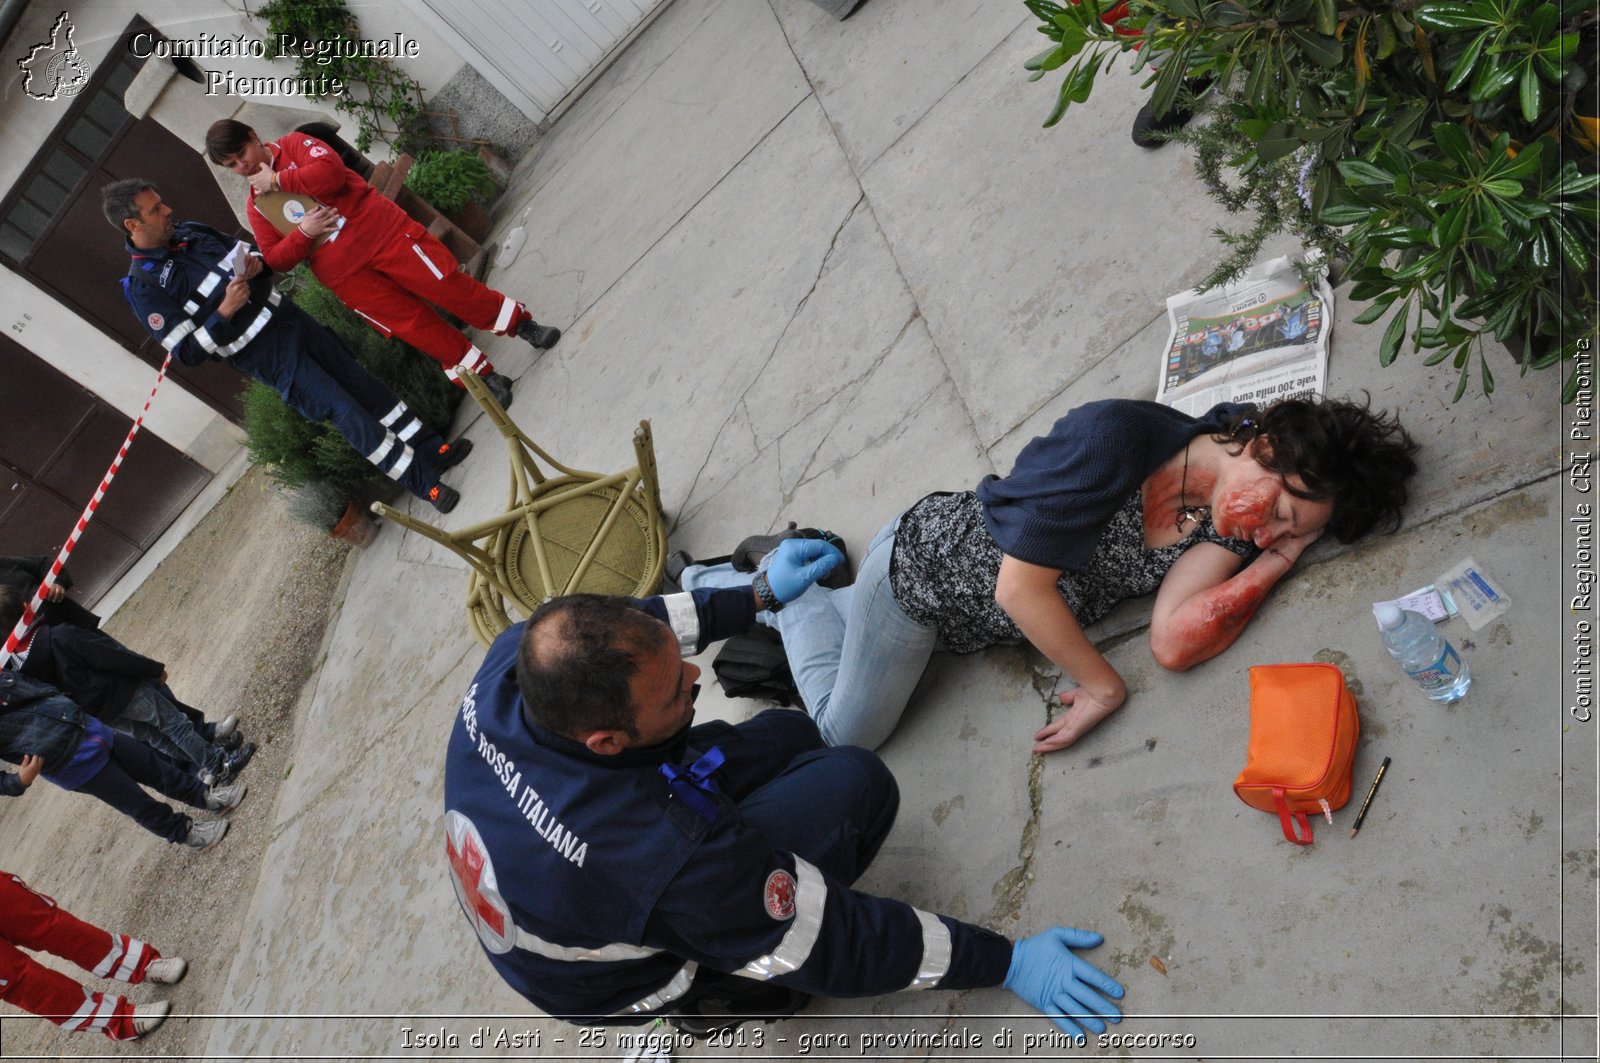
(1028, 594)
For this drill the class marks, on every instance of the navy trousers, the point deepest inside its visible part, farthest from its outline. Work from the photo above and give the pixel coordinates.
(313, 371)
(830, 805)
(118, 785)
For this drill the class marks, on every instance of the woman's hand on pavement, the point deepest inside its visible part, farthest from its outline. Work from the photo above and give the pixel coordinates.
(1083, 709)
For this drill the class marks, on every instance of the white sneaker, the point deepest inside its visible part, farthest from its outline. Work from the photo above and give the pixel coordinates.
(205, 835)
(223, 798)
(147, 1017)
(229, 724)
(167, 970)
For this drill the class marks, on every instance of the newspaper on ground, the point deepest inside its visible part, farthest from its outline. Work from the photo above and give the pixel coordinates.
(1262, 338)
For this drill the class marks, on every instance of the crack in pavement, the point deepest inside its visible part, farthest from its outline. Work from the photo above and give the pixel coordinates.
(687, 510)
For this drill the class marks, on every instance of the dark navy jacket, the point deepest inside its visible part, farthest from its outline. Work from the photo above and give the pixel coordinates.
(596, 892)
(90, 667)
(181, 287)
(1066, 485)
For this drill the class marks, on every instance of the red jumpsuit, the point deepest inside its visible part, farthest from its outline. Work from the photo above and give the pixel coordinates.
(381, 263)
(34, 921)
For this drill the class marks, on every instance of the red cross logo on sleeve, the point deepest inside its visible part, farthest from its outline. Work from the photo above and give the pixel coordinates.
(475, 883)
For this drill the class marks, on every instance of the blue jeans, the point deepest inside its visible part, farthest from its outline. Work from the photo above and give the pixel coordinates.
(154, 719)
(854, 653)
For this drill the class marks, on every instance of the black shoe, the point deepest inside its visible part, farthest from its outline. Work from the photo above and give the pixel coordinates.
(541, 336)
(232, 742)
(444, 497)
(500, 387)
(712, 1015)
(1146, 125)
(748, 554)
(236, 761)
(452, 454)
(672, 573)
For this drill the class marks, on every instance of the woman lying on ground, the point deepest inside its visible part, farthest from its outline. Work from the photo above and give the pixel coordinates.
(1121, 498)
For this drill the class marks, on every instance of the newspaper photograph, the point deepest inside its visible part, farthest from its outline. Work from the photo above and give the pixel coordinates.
(1260, 339)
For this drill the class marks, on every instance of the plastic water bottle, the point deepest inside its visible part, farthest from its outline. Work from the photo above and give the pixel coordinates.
(1426, 655)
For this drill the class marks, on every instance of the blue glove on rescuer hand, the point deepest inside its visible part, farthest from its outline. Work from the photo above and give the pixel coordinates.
(798, 563)
(1046, 973)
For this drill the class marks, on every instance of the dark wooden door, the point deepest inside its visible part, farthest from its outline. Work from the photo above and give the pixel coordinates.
(59, 439)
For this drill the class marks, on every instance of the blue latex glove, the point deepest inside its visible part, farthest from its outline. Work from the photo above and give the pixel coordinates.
(1047, 974)
(798, 563)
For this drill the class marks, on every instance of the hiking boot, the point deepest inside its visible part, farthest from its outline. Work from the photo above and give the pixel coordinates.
(500, 387)
(205, 835)
(224, 798)
(443, 497)
(236, 761)
(168, 970)
(225, 729)
(748, 554)
(146, 1017)
(452, 454)
(541, 336)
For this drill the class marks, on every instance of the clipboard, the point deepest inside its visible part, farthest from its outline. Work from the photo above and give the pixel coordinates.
(283, 210)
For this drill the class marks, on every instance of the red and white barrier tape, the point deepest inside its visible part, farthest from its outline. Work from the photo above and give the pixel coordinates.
(20, 632)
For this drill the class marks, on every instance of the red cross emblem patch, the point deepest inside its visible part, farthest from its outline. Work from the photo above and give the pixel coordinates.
(779, 895)
(476, 886)
(155, 321)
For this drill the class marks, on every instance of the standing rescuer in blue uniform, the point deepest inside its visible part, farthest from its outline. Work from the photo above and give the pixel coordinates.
(619, 864)
(183, 291)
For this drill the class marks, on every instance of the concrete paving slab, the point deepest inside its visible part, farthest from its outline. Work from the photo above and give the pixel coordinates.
(1449, 902)
(880, 71)
(642, 170)
(1032, 271)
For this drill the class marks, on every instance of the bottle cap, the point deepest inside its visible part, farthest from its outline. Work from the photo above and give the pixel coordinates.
(1389, 615)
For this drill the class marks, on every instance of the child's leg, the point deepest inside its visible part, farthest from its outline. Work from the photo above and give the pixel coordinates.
(154, 720)
(119, 788)
(35, 921)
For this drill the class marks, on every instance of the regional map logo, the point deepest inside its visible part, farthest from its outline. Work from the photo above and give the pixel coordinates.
(55, 69)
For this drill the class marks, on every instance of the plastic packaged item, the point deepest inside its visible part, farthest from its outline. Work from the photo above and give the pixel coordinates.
(1427, 656)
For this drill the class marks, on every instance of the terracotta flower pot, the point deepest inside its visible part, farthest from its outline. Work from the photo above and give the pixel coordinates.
(357, 527)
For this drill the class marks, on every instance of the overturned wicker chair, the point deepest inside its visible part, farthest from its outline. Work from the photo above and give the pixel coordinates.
(562, 532)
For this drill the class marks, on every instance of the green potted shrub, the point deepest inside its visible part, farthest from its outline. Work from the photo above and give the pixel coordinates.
(456, 183)
(295, 452)
(1437, 149)
(320, 504)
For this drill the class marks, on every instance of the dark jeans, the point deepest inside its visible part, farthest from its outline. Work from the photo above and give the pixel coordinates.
(132, 763)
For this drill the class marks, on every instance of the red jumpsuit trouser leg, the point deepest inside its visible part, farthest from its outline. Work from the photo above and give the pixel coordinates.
(398, 287)
(31, 920)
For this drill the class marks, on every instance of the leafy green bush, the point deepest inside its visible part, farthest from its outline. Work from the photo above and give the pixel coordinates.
(1432, 146)
(450, 179)
(296, 452)
(391, 94)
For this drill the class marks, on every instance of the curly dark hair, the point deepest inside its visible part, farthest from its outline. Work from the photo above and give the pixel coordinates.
(577, 659)
(1343, 451)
